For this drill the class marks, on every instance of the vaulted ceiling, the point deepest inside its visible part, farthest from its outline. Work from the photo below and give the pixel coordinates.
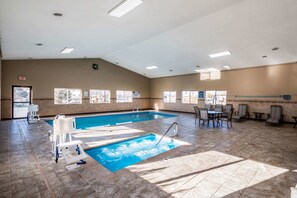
(175, 35)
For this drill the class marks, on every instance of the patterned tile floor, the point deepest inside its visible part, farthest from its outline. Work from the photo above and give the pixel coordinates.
(249, 160)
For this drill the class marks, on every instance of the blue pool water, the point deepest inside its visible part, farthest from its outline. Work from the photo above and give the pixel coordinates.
(119, 155)
(116, 119)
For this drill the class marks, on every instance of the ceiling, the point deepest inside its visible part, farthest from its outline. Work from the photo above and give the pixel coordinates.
(170, 34)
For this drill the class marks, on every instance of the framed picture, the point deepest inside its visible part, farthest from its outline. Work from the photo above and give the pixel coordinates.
(136, 94)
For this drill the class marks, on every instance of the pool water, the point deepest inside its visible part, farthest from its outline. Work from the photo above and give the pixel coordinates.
(119, 155)
(116, 119)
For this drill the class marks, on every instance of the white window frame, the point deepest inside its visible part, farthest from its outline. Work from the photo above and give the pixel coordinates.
(169, 96)
(188, 98)
(217, 94)
(127, 96)
(68, 100)
(101, 96)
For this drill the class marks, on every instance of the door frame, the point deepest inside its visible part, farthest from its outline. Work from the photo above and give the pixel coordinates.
(12, 98)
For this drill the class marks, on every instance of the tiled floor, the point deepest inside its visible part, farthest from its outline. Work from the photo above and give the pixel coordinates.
(249, 160)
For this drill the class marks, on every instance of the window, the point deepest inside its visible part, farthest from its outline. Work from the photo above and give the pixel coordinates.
(68, 96)
(190, 97)
(212, 74)
(169, 96)
(216, 97)
(99, 96)
(124, 96)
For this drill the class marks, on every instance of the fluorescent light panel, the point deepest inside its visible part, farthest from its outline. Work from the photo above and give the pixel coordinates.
(124, 7)
(220, 54)
(152, 67)
(227, 67)
(67, 50)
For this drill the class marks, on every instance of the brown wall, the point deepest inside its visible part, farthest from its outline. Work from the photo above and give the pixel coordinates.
(45, 75)
(261, 81)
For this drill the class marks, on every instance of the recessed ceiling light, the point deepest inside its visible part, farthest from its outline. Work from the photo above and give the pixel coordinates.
(38, 44)
(171, 70)
(275, 48)
(124, 7)
(57, 14)
(227, 67)
(67, 50)
(151, 67)
(264, 56)
(220, 54)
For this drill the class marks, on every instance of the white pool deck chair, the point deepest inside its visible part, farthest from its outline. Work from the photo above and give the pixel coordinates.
(62, 141)
(32, 115)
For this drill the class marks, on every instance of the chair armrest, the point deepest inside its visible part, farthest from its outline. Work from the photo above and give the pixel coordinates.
(268, 115)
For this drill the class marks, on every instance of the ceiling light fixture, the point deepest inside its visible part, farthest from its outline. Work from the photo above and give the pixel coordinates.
(220, 54)
(67, 50)
(264, 56)
(124, 7)
(275, 48)
(38, 44)
(227, 67)
(152, 67)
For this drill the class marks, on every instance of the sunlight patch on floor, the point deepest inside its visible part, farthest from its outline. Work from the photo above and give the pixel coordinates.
(206, 174)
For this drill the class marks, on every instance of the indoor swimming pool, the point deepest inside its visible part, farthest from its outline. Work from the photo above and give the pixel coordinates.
(117, 119)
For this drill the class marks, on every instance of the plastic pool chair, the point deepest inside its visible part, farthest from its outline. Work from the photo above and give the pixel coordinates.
(275, 116)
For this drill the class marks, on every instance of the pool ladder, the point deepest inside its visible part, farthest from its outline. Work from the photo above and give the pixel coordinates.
(136, 108)
(176, 129)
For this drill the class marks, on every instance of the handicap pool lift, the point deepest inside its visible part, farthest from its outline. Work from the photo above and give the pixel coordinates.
(70, 150)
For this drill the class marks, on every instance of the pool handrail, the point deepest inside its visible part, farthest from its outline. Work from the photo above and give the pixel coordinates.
(173, 124)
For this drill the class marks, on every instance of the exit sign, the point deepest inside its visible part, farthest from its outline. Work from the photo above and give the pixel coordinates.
(22, 77)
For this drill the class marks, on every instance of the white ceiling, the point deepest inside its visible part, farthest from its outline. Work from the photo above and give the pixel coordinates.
(175, 35)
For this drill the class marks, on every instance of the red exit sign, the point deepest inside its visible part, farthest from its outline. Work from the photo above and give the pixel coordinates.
(22, 77)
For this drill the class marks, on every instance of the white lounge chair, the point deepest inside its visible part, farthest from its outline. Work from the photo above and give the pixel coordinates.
(32, 115)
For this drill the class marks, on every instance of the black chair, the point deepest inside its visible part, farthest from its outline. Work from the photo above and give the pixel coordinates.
(228, 119)
(205, 117)
(275, 116)
(227, 109)
(196, 114)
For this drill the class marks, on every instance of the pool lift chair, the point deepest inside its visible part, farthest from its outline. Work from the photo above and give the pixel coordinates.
(32, 115)
(63, 127)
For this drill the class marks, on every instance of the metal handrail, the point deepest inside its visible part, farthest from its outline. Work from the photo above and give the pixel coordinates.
(173, 124)
(136, 108)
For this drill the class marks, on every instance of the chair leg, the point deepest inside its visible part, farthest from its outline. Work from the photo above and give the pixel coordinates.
(228, 124)
(231, 123)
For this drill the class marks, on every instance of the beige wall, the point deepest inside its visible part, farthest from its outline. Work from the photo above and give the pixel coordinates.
(0, 80)
(261, 81)
(45, 75)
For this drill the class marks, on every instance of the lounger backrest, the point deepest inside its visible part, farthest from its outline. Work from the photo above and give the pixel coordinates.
(275, 111)
(203, 114)
(228, 108)
(242, 109)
